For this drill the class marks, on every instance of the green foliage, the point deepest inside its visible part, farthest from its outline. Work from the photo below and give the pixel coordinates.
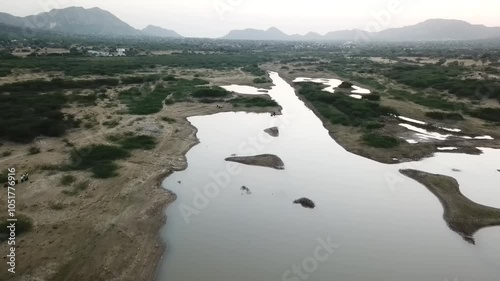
(210, 92)
(342, 109)
(139, 79)
(24, 116)
(487, 113)
(23, 224)
(33, 150)
(137, 142)
(99, 159)
(426, 100)
(380, 141)
(445, 79)
(168, 119)
(144, 102)
(79, 66)
(6, 153)
(261, 80)
(67, 180)
(36, 86)
(438, 115)
(254, 69)
(252, 102)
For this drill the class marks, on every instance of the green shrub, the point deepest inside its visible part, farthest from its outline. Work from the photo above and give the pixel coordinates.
(380, 141)
(212, 92)
(437, 115)
(374, 125)
(253, 101)
(67, 180)
(137, 142)
(23, 224)
(487, 113)
(6, 153)
(168, 119)
(98, 158)
(33, 150)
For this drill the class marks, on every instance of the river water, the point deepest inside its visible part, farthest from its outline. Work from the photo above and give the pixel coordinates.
(370, 222)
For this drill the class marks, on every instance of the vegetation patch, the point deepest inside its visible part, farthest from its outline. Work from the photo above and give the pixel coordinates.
(136, 142)
(67, 180)
(23, 224)
(380, 141)
(487, 113)
(342, 109)
(438, 115)
(252, 102)
(99, 159)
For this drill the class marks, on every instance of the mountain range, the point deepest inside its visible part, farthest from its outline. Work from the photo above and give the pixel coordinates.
(81, 21)
(429, 30)
(95, 21)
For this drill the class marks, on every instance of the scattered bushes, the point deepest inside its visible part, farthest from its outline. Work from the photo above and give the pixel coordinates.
(380, 141)
(437, 115)
(33, 150)
(99, 159)
(137, 142)
(342, 109)
(67, 180)
(23, 224)
(487, 113)
(252, 101)
(36, 86)
(210, 92)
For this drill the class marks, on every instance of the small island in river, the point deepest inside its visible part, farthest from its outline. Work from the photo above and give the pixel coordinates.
(263, 160)
(273, 132)
(462, 214)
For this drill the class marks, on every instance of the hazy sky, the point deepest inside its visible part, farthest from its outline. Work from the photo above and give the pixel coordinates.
(214, 18)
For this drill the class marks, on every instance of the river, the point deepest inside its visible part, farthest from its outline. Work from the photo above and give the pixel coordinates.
(370, 222)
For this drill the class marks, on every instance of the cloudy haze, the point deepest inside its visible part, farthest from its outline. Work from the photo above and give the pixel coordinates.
(214, 18)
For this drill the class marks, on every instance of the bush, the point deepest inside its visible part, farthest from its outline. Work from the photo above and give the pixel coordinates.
(437, 115)
(212, 92)
(33, 150)
(99, 159)
(6, 153)
(168, 119)
(380, 141)
(67, 180)
(137, 142)
(487, 113)
(253, 101)
(342, 109)
(372, 97)
(23, 224)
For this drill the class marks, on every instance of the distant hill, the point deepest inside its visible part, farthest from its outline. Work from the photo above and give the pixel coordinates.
(255, 34)
(157, 31)
(439, 29)
(76, 20)
(430, 30)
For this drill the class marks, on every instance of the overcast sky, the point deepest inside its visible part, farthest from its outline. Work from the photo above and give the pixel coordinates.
(214, 18)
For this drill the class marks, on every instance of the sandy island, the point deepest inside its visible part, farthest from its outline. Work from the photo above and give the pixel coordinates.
(264, 160)
(461, 214)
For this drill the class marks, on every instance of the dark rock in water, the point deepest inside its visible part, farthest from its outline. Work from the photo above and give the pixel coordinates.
(246, 189)
(264, 160)
(456, 170)
(346, 85)
(498, 170)
(274, 131)
(305, 202)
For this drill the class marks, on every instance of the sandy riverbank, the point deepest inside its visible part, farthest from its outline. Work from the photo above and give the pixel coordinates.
(110, 230)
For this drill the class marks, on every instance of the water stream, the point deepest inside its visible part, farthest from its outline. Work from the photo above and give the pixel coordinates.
(380, 225)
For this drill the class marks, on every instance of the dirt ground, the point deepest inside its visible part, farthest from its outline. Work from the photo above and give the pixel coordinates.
(110, 230)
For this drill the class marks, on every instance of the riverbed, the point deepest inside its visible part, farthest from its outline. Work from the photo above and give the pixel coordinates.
(369, 223)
